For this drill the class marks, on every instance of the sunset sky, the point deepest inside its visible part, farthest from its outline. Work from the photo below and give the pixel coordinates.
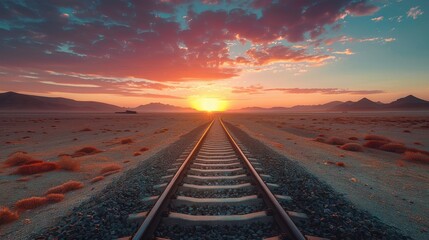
(247, 53)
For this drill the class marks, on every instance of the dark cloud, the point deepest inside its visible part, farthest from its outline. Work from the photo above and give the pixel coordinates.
(148, 39)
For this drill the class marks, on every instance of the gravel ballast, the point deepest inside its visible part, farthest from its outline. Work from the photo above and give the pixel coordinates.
(330, 214)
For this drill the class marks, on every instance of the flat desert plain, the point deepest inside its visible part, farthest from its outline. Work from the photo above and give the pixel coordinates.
(111, 143)
(393, 186)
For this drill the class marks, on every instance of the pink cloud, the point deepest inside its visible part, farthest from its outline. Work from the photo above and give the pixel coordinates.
(345, 52)
(414, 12)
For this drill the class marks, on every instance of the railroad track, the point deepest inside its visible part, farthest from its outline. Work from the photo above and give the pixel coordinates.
(215, 191)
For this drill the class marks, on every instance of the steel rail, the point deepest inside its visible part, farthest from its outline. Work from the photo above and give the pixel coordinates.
(152, 219)
(283, 219)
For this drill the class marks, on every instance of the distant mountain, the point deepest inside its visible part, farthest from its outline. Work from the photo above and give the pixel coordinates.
(362, 105)
(321, 107)
(11, 101)
(409, 102)
(160, 107)
(403, 104)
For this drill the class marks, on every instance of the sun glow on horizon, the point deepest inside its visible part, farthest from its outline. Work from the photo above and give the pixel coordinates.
(208, 104)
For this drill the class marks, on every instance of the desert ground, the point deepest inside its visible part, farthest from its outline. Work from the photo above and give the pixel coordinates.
(116, 143)
(393, 186)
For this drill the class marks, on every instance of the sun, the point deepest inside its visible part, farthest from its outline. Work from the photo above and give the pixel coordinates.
(209, 104)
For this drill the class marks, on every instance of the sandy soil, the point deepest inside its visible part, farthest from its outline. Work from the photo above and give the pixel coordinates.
(393, 190)
(45, 136)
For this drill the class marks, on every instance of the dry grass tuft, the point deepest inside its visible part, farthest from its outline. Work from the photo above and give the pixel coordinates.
(126, 141)
(416, 157)
(110, 167)
(393, 147)
(96, 179)
(36, 168)
(374, 144)
(137, 154)
(31, 203)
(355, 147)
(336, 141)
(86, 151)
(144, 149)
(18, 158)
(340, 164)
(66, 187)
(68, 163)
(55, 197)
(377, 138)
(7, 216)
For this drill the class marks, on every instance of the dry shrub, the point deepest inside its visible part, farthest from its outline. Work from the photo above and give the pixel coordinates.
(30, 203)
(65, 187)
(374, 144)
(36, 168)
(126, 141)
(355, 147)
(85, 130)
(55, 197)
(18, 158)
(69, 164)
(322, 135)
(126, 161)
(33, 162)
(85, 151)
(110, 173)
(416, 157)
(161, 131)
(23, 179)
(96, 179)
(336, 141)
(418, 143)
(110, 167)
(320, 139)
(137, 154)
(353, 138)
(406, 131)
(144, 149)
(340, 164)
(7, 216)
(377, 138)
(393, 147)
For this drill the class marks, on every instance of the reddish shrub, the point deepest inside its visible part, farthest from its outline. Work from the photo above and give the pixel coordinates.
(353, 138)
(111, 167)
(355, 147)
(69, 164)
(55, 197)
(144, 149)
(23, 179)
(36, 168)
(18, 158)
(340, 164)
(33, 162)
(30, 203)
(110, 173)
(85, 151)
(7, 216)
(337, 141)
(406, 131)
(126, 141)
(393, 147)
(374, 144)
(126, 161)
(65, 187)
(137, 154)
(418, 143)
(85, 130)
(321, 135)
(320, 139)
(377, 138)
(96, 179)
(416, 157)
